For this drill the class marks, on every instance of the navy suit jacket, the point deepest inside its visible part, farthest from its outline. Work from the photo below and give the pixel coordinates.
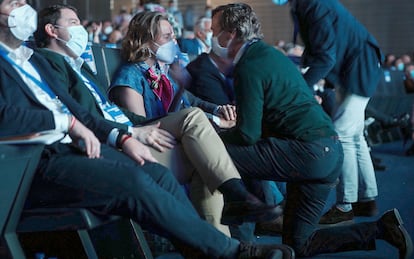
(337, 47)
(21, 113)
(208, 83)
(190, 46)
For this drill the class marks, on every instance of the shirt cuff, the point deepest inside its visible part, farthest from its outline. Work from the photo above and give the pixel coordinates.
(62, 122)
(216, 110)
(213, 118)
(113, 135)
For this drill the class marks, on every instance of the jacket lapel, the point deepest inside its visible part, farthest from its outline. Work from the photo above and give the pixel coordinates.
(13, 75)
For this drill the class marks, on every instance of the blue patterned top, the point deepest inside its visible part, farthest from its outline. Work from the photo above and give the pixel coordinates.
(133, 75)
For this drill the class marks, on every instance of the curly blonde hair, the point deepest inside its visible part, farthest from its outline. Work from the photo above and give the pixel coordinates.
(143, 28)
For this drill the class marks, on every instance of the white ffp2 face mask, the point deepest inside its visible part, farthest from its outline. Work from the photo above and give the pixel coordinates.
(209, 36)
(22, 22)
(218, 49)
(166, 52)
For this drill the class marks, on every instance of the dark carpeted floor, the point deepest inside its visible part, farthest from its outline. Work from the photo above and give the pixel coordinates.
(396, 190)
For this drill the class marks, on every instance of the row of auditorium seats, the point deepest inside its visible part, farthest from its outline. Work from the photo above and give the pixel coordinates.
(390, 99)
(18, 163)
(106, 60)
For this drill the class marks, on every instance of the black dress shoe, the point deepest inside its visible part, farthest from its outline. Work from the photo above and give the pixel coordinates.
(269, 228)
(410, 151)
(250, 210)
(391, 229)
(379, 167)
(365, 209)
(336, 217)
(265, 251)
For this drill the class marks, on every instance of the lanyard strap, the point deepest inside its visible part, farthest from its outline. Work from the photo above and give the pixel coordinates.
(45, 87)
(95, 88)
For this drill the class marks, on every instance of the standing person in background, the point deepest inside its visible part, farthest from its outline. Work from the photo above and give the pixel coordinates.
(283, 134)
(340, 50)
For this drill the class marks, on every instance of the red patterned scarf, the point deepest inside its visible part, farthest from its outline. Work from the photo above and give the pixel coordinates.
(162, 87)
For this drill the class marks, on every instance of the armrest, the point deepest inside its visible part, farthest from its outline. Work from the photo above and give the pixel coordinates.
(18, 164)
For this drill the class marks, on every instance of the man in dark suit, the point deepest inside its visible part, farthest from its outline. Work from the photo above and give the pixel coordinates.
(339, 49)
(211, 78)
(84, 169)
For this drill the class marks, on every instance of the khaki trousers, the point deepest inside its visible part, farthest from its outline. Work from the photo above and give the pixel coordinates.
(200, 159)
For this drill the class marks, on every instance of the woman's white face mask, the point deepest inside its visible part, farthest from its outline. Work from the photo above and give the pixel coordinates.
(166, 52)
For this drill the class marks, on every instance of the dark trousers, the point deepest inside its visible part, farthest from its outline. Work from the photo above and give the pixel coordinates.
(311, 170)
(114, 184)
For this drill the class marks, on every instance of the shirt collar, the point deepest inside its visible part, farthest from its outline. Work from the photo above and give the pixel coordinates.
(143, 65)
(202, 46)
(19, 55)
(75, 63)
(242, 50)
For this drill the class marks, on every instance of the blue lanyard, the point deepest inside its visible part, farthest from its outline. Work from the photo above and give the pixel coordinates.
(43, 85)
(97, 90)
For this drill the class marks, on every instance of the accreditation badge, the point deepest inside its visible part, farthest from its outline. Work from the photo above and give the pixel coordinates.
(116, 114)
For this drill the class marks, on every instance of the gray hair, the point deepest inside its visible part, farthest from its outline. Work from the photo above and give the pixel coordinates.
(199, 25)
(241, 19)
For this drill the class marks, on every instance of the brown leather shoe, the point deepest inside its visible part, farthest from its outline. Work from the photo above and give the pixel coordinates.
(277, 251)
(365, 209)
(250, 210)
(391, 229)
(335, 217)
(270, 228)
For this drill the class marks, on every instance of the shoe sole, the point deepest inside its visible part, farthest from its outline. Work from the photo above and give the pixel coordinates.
(407, 238)
(371, 214)
(286, 252)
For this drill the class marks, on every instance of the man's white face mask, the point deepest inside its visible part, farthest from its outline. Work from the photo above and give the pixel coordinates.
(218, 49)
(78, 39)
(22, 22)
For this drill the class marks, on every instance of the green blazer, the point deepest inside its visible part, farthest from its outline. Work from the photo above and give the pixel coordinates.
(78, 90)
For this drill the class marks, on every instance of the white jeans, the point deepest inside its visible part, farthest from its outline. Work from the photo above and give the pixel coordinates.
(357, 180)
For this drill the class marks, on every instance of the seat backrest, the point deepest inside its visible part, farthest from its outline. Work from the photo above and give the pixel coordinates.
(112, 60)
(100, 65)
